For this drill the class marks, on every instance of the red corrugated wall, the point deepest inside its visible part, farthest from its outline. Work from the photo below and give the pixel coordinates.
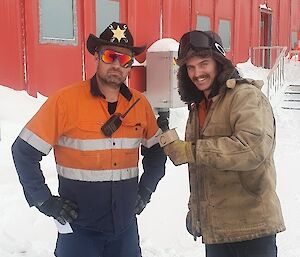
(143, 19)
(295, 15)
(52, 66)
(11, 44)
(89, 26)
(274, 5)
(216, 10)
(284, 23)
(242, 37)
(176, 18)
(152, 21)
(225, 10)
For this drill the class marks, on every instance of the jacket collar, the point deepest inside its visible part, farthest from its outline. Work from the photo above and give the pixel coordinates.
(231, 83)
(95, 91)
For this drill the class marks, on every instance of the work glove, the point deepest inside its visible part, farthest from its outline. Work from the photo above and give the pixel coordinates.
(143, 198)
(60, 209)
(189, 226)
(180, 152)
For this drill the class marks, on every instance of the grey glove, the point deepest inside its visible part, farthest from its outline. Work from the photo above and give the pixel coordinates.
(143, 198)
(189, 226)
(60, 209)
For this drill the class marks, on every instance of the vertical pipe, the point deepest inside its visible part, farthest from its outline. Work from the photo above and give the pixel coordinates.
(161, 33)
(251, 22)
(214, 16)
(24, 45)
(290, 27)
(81, 29)
(191, 9)
(233, 29)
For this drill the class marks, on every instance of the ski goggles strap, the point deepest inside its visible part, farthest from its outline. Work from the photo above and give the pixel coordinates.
(198, 40)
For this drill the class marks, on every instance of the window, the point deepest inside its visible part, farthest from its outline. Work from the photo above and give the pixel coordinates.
(294, 39)
(107, 11)
(225, 34)
(203, 23)
(58, 21)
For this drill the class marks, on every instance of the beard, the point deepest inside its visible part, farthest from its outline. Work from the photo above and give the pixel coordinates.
(113, 78)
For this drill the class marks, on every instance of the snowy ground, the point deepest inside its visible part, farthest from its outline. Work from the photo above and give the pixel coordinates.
(26, 232)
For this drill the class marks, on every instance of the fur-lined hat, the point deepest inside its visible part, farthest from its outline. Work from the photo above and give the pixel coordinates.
(202, 44)
(199, 40)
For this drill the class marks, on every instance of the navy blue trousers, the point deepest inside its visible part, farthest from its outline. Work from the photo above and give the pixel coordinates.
(261, 247)
(87, 243)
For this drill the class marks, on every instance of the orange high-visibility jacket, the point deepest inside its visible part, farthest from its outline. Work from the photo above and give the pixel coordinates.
(70, 122)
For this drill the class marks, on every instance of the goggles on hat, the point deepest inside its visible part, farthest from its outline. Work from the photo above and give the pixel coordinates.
(198, 40)
(109, 56)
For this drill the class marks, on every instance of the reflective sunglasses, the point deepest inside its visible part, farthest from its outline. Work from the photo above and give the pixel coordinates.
(109, 56)
(198, 40)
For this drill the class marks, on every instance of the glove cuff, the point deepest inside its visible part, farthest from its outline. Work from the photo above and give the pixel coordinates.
(167, 137)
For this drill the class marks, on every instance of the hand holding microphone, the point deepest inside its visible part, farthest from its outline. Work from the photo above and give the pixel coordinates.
(179, 151)
(169, 135)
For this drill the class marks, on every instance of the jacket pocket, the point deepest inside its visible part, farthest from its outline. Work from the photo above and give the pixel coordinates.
(132, 130)
(90, 126)
(229, 188)
(234, 205)
(254, 182)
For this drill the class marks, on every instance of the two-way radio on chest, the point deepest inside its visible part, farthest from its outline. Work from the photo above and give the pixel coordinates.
(115, 121)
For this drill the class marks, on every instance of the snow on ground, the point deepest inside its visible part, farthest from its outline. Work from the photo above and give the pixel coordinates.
(26, 232)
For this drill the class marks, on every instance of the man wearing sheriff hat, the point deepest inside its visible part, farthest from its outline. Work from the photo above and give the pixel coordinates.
(96, 128)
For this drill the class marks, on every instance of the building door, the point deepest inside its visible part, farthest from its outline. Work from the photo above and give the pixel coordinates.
(266, 36)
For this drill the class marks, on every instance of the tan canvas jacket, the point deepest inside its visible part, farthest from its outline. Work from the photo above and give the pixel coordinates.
(233, 182)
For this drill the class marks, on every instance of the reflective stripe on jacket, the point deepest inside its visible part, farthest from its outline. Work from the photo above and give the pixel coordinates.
(70, 122)
(98, 173)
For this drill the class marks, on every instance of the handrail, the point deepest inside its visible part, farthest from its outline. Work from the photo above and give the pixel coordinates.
(275, 78)
(272, 58)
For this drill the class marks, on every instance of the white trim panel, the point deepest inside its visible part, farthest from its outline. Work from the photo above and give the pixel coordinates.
(35, 141)
(97, 175)
(99, 144)
(152, 140)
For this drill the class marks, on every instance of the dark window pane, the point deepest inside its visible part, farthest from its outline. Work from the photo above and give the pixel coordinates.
(294, 39)
(203, 23)
(225, 33)
(107, 11)
(57, 21)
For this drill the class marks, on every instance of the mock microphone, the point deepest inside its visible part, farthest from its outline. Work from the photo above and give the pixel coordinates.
(169, 135)
(163, 123)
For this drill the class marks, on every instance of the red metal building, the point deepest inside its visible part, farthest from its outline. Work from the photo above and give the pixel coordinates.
(42, 44)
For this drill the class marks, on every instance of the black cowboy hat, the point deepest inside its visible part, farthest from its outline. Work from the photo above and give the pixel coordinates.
(116, 34)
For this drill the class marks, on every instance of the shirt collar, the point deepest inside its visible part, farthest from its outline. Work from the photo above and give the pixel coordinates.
(95, 91)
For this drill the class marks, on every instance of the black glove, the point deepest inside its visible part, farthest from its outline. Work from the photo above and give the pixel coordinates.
(188, 224)
(60, 209)
(143, 197)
